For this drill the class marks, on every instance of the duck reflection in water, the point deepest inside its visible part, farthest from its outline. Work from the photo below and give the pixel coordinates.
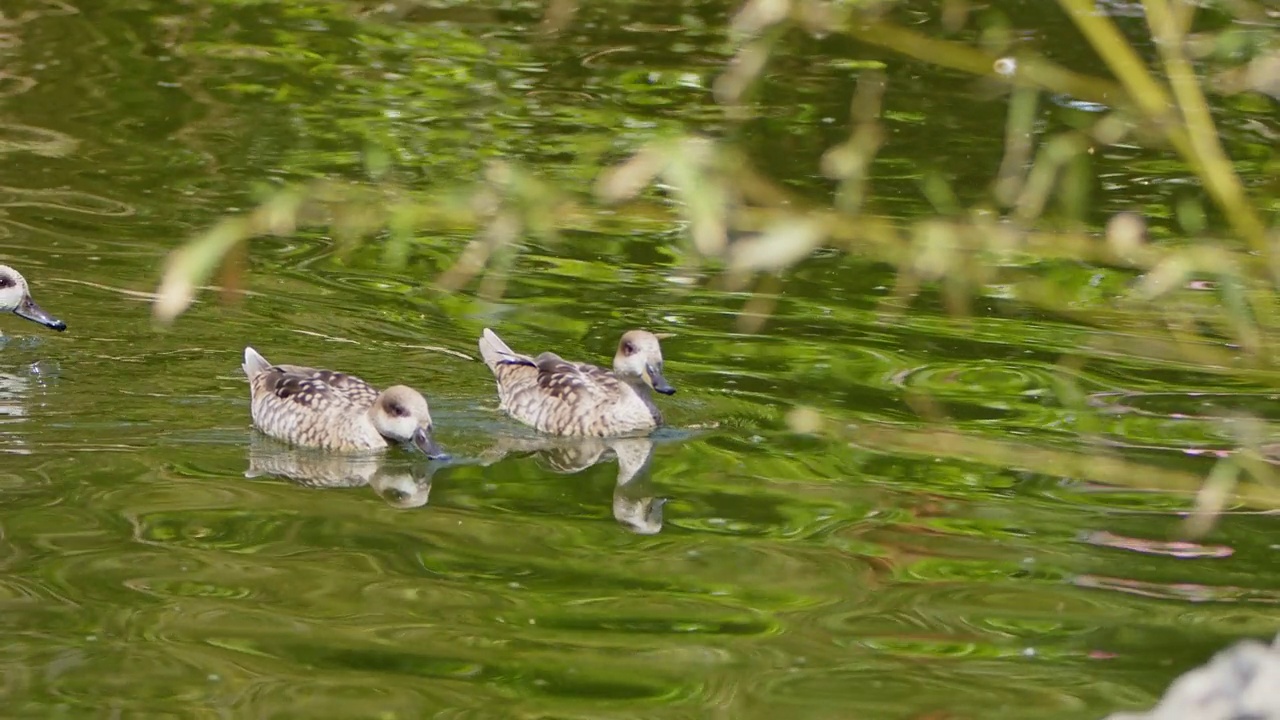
(634, 505)
(400, 485)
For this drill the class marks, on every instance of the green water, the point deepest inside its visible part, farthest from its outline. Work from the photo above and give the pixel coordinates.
(153, 563)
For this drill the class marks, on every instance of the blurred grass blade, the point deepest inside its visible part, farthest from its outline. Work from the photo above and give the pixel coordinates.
(784, 244)
(190, 267)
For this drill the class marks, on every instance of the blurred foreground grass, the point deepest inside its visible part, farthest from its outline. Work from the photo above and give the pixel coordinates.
(753, 229)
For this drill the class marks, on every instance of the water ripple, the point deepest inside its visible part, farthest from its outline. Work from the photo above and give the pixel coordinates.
(64, 200)
(741, 571)
(1191, 592)
(962, 691)
(15, 137)
(11, 85)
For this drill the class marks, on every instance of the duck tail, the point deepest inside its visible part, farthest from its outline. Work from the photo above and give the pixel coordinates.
(253, 363)
(493, 350)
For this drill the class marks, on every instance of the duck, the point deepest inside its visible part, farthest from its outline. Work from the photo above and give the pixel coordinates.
(559, 397)
(16, 298)
(335, 411)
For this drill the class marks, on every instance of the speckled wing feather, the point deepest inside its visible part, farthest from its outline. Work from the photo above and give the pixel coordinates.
(314, 408)
(557, 396)
(311, 387)
(574, 382)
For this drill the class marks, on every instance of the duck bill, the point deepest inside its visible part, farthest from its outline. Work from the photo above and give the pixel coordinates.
(31, 311)
(423, 441)
(659, 382)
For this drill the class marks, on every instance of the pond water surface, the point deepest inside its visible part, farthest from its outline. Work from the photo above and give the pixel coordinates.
(155, 562)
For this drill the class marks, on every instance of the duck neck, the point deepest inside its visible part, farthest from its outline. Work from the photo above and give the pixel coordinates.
(637, 383)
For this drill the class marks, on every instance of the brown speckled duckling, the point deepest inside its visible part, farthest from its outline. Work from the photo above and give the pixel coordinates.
(15, 298)
(559, 397)
(335, 411)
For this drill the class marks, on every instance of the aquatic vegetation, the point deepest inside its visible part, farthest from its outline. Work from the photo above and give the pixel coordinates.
(1187, 279)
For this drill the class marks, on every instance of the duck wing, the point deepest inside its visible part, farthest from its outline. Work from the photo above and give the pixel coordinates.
(579, 384)
(314, 388)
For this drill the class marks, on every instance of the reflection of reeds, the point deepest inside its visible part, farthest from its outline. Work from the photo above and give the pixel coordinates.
(1084, 467)
(754, 229)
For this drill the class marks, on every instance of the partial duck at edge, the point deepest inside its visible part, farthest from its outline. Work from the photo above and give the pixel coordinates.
(16, 298)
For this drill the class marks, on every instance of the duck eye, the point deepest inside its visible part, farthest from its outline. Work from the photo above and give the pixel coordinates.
(397, 410)
(628, 348)
(6, 281)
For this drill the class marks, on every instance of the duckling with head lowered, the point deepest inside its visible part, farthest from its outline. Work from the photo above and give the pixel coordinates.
(559, 397)
(15, 298)
(335, 411)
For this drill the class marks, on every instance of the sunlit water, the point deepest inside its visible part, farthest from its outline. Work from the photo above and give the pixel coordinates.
(157, 557)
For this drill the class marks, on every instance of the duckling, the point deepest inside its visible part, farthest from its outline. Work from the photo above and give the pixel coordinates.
(335, 411)
(15, 298)
(559, 397)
